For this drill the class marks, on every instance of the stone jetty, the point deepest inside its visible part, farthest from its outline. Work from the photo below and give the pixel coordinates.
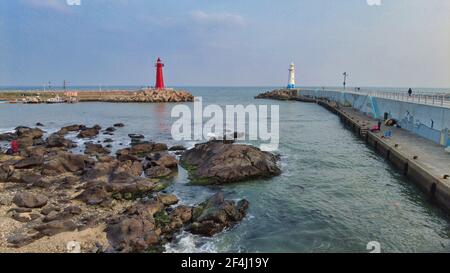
(118, 96)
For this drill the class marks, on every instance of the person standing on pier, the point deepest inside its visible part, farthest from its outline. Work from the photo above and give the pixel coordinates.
(410, 92)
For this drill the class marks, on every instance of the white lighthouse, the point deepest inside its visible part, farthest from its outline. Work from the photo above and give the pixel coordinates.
(291, 83)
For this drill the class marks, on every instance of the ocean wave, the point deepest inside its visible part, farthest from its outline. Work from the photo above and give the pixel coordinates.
(187, 242)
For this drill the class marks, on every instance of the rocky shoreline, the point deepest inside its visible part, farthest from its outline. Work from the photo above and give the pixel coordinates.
(55, 200)
(115, 96)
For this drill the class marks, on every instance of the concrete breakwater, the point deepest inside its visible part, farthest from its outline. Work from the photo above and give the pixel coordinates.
(144, 96)
(421, 160)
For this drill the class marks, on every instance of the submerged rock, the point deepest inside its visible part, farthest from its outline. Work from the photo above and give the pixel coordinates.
(218, 162)
(89, 132)
(71, 128)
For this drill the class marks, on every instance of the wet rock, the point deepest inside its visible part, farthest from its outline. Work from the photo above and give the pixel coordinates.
(167, 199)
(108, 140)
(8, 136)
(58, 140)
(180, 216)
(29, 200)
(132, 167)
(105, 158)
(146, 148)
(33, 133)
(157, 172)
(71, 128)
(119, 125)
(216, 214)
(136, 136)
(54, 227)
(177, 148)
(218, 162)
(95, 149)
(89, 132)
(29, 162)
(163, 159)
(124, 155)
(39, 124)
(110, 129)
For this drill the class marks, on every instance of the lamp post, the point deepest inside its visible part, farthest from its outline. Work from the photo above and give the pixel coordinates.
(345, 79)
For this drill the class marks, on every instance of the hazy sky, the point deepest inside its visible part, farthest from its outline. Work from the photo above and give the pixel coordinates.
(225, 42)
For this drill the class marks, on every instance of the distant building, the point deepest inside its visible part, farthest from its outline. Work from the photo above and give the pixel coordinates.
(291, 82)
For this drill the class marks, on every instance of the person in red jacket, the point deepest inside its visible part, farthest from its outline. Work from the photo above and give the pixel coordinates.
(14, 149)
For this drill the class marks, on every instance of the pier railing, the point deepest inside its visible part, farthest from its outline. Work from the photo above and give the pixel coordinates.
(429, 98)
(421, 98)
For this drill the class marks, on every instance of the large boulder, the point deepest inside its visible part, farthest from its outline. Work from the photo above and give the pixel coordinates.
(146, 148)
(94, 194)
(95, 149)
(54, 227)
(29, 200)
(8, 136)
(162, 159)
(64, 162)
(34, 133)
(29, 162)
(58, 140)
(219, 162)
(158, 172)
(134, 231)
(89, 132)
(216, 214)
(71, 128)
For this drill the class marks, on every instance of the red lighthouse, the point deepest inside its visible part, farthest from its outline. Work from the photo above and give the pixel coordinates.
(159, 75)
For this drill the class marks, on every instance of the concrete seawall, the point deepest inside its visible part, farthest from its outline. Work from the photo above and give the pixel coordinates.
(422, 161)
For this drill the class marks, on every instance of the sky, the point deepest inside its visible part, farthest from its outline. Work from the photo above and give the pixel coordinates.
(398, 43)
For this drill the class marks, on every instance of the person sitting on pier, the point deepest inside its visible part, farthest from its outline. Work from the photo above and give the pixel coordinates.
(376, 128)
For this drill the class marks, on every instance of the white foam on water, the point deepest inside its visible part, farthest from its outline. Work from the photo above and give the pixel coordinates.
(189, 243)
